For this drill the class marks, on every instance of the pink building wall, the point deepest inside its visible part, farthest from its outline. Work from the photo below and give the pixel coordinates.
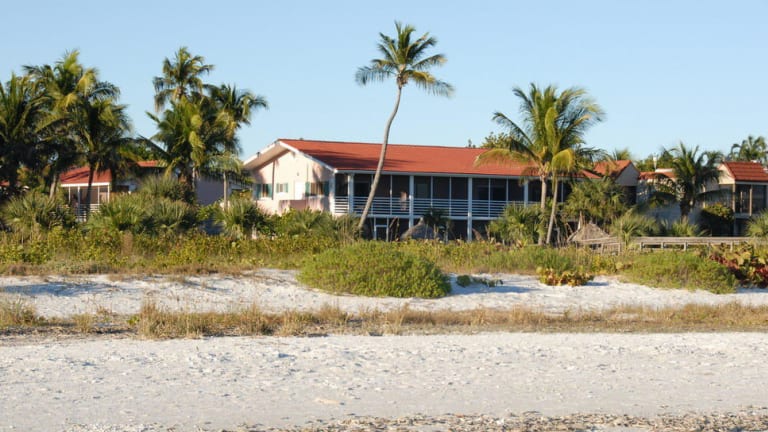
(290, 178)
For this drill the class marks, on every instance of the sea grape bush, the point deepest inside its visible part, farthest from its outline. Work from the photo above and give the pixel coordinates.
(748, 265)
(374, 269)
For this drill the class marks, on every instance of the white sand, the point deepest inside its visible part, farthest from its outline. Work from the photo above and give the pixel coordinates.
(276, 290)
(223, 382)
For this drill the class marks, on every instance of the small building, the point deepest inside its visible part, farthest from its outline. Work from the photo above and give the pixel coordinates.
(336, 177)
(624, 173)
(745, 186)
(75, 184)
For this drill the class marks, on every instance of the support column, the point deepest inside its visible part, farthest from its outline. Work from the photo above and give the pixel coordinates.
(525, 193)
(351, 194)
(332, 194)
(469, 209)
(410, 201)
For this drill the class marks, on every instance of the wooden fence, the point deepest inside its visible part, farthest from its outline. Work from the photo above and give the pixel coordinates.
(612, 244)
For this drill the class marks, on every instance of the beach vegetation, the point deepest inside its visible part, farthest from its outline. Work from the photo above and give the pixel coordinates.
(374, 269)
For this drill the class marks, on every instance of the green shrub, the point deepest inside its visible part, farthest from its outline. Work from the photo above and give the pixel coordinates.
(717, 219)
(122, 213)
(305, 222)
(167, 216)
(156, 187)
(677, 269)
(518, 225)
(757, 226)
(374, 269)
(34, 213)
(680, 228)
(463, 280)
(240, 218)
(632, 224)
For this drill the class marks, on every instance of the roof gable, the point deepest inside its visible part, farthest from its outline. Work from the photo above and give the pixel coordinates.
(612, 168)
(746, 171)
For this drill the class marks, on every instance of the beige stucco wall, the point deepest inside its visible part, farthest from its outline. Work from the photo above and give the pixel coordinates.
(296, 170)
(628, 177)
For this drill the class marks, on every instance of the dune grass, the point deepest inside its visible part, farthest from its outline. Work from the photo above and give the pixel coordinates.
(155, 322)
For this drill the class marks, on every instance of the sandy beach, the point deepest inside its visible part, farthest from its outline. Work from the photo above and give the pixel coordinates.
(259, 383)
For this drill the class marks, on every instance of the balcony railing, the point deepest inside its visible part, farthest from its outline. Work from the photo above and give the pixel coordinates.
(82, 211)
(455, 208)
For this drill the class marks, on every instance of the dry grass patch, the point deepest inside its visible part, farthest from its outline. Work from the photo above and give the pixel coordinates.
(155, 322)
(17, 312)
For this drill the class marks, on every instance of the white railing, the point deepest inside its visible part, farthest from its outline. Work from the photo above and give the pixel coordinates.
(397, 207)
(82, 211)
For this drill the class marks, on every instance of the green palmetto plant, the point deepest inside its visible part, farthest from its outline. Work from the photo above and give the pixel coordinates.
(33, 213)
(240, 219)
(632, 224)
(692, 172)
(168, 217)
(406, 60)
(757, 227)
(157, 187)
(122, 213)
(550, 138)
(517, 225)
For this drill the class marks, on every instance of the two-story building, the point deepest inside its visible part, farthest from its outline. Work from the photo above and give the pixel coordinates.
(336, 177)
(745, 186)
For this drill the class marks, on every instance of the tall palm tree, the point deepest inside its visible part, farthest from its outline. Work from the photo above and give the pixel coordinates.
(181, 78)
(692, 172)
(750, 149)
(101, 127)
(186, 134)
(550, 139)
(21, 110)
(406, 61)
(599, 201)
(66, 88)
(235, 110)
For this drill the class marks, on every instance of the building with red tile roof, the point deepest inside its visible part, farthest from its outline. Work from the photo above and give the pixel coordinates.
(745, 190)
(336, 177)
(75, 184)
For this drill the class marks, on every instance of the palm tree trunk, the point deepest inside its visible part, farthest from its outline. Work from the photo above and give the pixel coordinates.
(379, 167)
(226, 191)
(543, 180)
(554, 209)
(54, 181)
(88, 193)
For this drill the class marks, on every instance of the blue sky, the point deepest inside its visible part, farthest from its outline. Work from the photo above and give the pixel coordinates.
(663, 71)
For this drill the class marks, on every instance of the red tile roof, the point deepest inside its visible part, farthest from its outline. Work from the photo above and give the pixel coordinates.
(612, 168)
(80, 175)
(746, 171)
(354, 156)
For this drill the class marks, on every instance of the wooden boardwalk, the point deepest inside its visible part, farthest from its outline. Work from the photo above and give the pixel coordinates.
(612, 244)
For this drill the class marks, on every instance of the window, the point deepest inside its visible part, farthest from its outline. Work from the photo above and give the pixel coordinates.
(262, 191)
(317, 188)
(281, 188)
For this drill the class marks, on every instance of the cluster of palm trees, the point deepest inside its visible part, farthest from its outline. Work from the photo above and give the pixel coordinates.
(550, 139)
(55, 117)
